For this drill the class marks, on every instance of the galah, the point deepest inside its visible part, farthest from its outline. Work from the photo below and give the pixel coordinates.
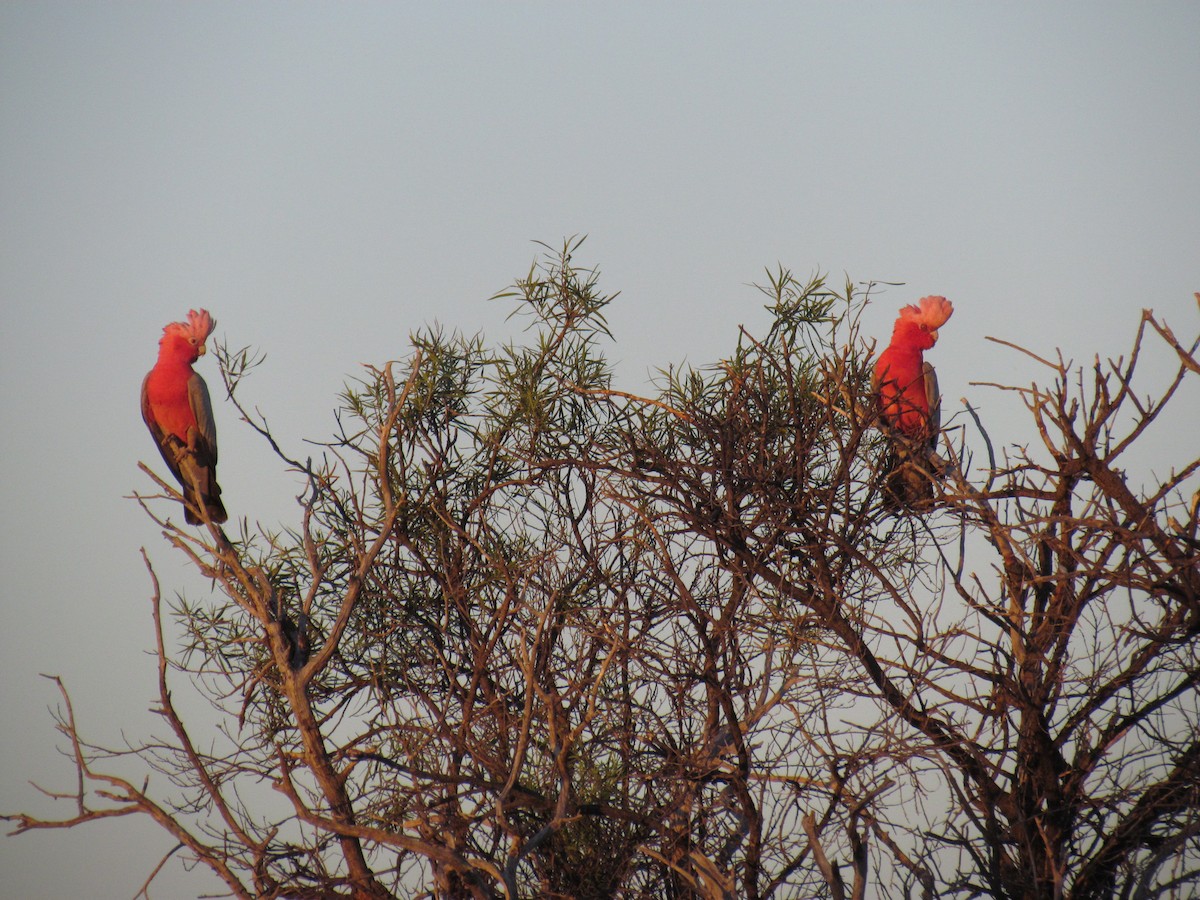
(910, 407)
(178, 412)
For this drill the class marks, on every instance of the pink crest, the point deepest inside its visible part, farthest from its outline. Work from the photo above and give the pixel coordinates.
(932, 314)
(198, 326)
(201, 324)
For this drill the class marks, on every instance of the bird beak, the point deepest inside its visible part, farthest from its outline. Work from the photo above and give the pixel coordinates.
(933, 334)
(201, 351)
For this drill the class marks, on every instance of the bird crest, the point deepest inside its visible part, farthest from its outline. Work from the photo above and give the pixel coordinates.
(932, 314)
(197, 328)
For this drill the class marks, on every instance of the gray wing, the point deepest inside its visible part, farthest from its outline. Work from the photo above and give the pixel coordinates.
(155, 431)
(934, 399)
(205, 424)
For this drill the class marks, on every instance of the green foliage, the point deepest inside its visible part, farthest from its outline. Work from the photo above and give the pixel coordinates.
(523, 639)
(535, 635)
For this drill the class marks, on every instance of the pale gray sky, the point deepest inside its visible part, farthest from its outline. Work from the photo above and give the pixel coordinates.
(326, 177)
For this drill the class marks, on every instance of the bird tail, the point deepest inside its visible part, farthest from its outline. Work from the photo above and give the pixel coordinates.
(908, 482)
(201, 492)
(213, 505)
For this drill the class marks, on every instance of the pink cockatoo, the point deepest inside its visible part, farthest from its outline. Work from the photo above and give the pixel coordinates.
(178, 412)
(910, 407)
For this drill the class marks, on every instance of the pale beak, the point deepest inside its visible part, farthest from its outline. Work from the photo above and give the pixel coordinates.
(933, 334)
(201, 351)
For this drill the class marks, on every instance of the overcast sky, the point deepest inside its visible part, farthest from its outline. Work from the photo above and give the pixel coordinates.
(324, 178)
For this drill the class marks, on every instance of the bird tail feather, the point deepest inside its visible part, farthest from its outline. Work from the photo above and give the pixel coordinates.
(908, 482)
(200, 492)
